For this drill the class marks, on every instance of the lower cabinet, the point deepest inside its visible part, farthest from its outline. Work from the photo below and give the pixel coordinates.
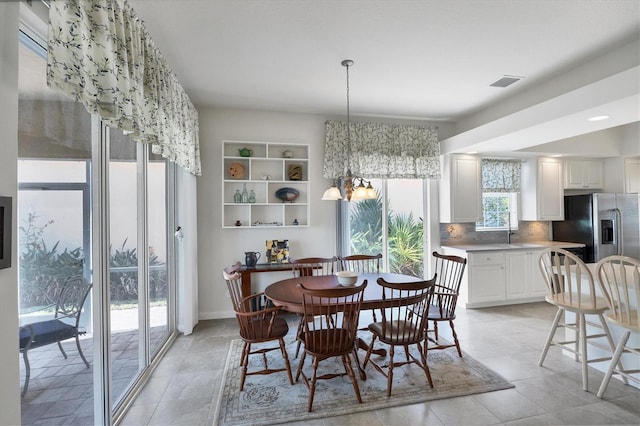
(486, 277)
(500, 277)
(523, 275)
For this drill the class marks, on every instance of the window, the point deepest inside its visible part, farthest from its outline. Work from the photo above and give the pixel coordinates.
(499, 211)
(500, 189)
(398, 233)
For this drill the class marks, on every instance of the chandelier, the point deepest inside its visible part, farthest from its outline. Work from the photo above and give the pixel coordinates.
(355, 187)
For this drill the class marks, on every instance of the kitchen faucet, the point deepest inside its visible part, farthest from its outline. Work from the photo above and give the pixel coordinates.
(509, 233)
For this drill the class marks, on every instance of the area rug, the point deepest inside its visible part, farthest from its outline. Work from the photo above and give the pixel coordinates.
(270, 399)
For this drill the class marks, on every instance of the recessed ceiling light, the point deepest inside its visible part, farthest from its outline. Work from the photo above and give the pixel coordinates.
(598, 118)
(472, 152)
(556, 155)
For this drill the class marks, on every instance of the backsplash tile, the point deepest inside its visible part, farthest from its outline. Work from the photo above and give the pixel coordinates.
(465, 233)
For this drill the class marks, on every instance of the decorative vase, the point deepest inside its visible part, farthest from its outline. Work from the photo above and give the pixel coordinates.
(251, 258)
(252, 196)
(237, 197)
(245, 194)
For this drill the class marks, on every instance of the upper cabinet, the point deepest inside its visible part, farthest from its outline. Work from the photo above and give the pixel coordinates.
(632, 175)
(583, 174)
(460, 188)
(264, 184)
(542, 194)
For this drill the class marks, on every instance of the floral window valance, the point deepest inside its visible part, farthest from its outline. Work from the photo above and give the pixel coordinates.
(501, 175)
(379, 150)
(100, 54)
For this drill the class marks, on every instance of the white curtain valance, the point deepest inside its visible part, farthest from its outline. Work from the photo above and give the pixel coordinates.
(100, 54)
(384, 151)
(501, 175)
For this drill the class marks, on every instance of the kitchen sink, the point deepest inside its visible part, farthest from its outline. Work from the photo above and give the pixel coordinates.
(524, 245)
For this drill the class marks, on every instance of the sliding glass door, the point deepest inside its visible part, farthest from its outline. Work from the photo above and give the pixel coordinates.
(392, 225)
(124, 259)
(91, 202)
(158, 292)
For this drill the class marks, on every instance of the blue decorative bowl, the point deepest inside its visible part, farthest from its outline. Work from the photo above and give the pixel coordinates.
(287, 194)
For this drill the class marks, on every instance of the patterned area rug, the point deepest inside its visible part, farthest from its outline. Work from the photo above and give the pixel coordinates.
(270, 399)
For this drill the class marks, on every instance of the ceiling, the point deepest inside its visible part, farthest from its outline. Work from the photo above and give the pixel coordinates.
(419, 60)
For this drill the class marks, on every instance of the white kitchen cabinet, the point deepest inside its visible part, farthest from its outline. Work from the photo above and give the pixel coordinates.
(632, 175)
(583, 174)
(486, 275)
(500, 277)
(460, 189)
(523, 275)
(542, 193)
(267, 168)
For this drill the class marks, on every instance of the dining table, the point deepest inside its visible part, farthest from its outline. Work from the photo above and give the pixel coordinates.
(286, 294)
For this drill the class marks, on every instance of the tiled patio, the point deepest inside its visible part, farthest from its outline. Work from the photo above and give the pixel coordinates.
(61, 390)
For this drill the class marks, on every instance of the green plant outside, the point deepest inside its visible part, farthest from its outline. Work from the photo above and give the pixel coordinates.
(405, 239)
(44, 269)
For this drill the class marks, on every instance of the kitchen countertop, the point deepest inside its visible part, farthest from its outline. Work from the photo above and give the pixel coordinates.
(513, 246)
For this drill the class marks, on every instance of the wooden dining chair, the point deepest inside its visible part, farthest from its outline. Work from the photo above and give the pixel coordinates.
(449, 271)
(619, 277)
(403, 323)
(257, 325)
(324, 339)
(362, 263)
(312, 266)
(571, 288)
(307, 267)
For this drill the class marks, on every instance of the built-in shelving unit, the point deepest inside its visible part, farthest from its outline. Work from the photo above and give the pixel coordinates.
(264, 169)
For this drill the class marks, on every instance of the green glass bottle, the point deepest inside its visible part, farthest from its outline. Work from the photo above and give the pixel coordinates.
(245, 194)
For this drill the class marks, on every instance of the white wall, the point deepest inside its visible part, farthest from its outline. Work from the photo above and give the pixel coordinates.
(217, 247)
(10, 371)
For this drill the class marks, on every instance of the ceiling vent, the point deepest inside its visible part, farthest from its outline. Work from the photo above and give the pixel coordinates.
(505, 81)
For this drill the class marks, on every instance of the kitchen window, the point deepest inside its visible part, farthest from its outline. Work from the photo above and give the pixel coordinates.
(500, 190)
(499, 211)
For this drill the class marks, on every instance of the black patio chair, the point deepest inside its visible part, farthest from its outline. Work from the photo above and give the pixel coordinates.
(63, 326)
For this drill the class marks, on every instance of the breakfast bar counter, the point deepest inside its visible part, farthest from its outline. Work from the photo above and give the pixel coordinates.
(503, 274)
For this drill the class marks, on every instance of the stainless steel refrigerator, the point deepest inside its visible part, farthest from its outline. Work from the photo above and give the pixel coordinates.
(606, 224)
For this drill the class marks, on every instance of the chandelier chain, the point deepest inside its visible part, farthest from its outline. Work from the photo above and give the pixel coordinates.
(353, 185)
(348, 122)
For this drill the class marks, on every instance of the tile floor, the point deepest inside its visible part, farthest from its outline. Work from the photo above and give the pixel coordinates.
(507, 339)
(61, 390)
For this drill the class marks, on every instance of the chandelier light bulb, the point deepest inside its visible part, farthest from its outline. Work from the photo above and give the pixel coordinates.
(332, 194)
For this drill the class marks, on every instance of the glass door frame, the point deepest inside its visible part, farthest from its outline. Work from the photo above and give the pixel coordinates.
(343, 232)
(104, 412)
